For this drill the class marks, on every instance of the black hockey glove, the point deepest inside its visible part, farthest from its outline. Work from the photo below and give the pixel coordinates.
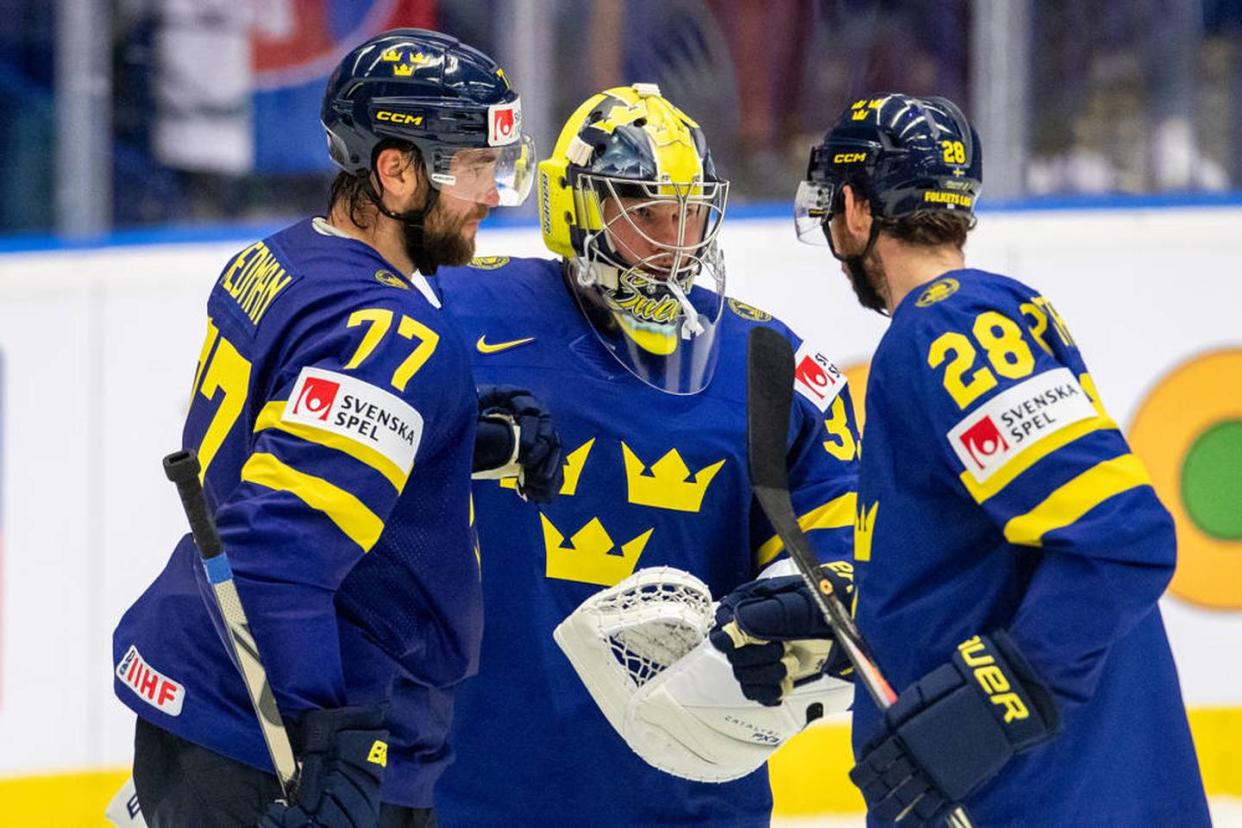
(534, 456)
(774, 635)
(953, 730)
(344, 754)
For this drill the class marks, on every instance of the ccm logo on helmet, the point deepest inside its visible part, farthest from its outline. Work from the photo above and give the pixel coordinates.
(398, 117)
(849, 157)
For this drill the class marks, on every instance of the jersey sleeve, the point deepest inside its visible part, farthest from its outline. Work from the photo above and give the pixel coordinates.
(1020, 429)
(823, 465)
(340, 419)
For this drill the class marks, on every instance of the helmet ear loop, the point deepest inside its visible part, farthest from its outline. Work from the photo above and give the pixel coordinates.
(414, 220)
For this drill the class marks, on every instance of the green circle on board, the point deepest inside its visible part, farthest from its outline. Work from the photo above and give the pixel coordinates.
(1212, 481)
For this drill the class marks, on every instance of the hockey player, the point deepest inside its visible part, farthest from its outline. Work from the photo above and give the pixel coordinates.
(334, 413)
(631, 341)
(1010, 549)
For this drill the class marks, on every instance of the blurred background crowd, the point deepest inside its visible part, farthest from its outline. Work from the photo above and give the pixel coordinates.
(124, 114)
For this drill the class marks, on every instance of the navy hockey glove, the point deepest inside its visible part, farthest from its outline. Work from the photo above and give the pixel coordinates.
(774, 635)
(953, 730)
(535, 456)
(344, 754)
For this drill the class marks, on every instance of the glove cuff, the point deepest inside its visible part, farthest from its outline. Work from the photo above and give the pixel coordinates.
(316, 730)
(497, 444)
(1019, 701)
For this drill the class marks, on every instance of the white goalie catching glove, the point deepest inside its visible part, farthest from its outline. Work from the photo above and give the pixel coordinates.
(641, 649)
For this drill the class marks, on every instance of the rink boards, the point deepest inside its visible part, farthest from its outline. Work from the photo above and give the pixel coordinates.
(98, 346)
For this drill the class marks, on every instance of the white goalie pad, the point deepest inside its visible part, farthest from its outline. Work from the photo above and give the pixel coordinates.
(641, 649)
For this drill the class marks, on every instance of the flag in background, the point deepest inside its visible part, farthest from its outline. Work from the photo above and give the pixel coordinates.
(238, 85)
(295, 45)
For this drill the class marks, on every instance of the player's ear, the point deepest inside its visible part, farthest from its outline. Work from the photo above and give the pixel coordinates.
(397, 173)
(857, 212)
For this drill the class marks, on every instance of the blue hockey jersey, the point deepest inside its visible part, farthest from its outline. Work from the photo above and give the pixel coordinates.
(995, 492)
(333, 414)
(651, 479)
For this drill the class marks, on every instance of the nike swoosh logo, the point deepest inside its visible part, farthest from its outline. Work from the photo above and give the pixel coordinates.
(485, 348)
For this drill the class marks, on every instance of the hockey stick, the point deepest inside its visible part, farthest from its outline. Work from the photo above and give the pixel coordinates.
(769, 398)
(182, 469)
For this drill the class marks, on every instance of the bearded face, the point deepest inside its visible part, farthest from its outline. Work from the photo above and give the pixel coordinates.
(866, 275)
(446, 236)
(859, 262)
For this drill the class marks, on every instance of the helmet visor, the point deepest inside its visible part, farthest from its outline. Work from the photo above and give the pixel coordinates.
(495, 176)
(813, 211)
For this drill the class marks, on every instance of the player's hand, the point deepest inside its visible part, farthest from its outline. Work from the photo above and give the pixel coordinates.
(515, 435)
(952, 731)
(774, 635)
(344, 755)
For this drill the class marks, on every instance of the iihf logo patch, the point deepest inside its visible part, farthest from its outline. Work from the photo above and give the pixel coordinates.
(152, 686)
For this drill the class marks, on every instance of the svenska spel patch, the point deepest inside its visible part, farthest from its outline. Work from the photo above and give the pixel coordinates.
(1017, 418)
(816, 377)
(152, 686)
(504, 123)
(358, 411)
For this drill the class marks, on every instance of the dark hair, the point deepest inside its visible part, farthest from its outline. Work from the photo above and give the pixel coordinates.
(930, 228)
(354, 191)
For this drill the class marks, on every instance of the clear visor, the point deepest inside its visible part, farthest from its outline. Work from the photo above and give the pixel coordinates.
(662, 333)
(813, 211)
(494, 176)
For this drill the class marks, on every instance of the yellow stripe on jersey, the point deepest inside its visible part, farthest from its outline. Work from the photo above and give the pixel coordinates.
(835, 514)
(350, 514)
(1077, 497)
(1030, 456)
(269, 417)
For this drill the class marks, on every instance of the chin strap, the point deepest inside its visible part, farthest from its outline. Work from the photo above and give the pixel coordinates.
(855, 264)
(412, 220)
(693, 327)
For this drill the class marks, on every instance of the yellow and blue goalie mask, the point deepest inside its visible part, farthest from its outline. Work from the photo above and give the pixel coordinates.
(631, 199)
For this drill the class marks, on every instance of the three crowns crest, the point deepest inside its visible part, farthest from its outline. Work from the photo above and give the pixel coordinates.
(864, 525)
(592, 556)
(404, 70)
(669, 484)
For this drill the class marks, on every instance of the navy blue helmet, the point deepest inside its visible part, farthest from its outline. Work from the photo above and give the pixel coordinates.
(442, 96)
(903, 154)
